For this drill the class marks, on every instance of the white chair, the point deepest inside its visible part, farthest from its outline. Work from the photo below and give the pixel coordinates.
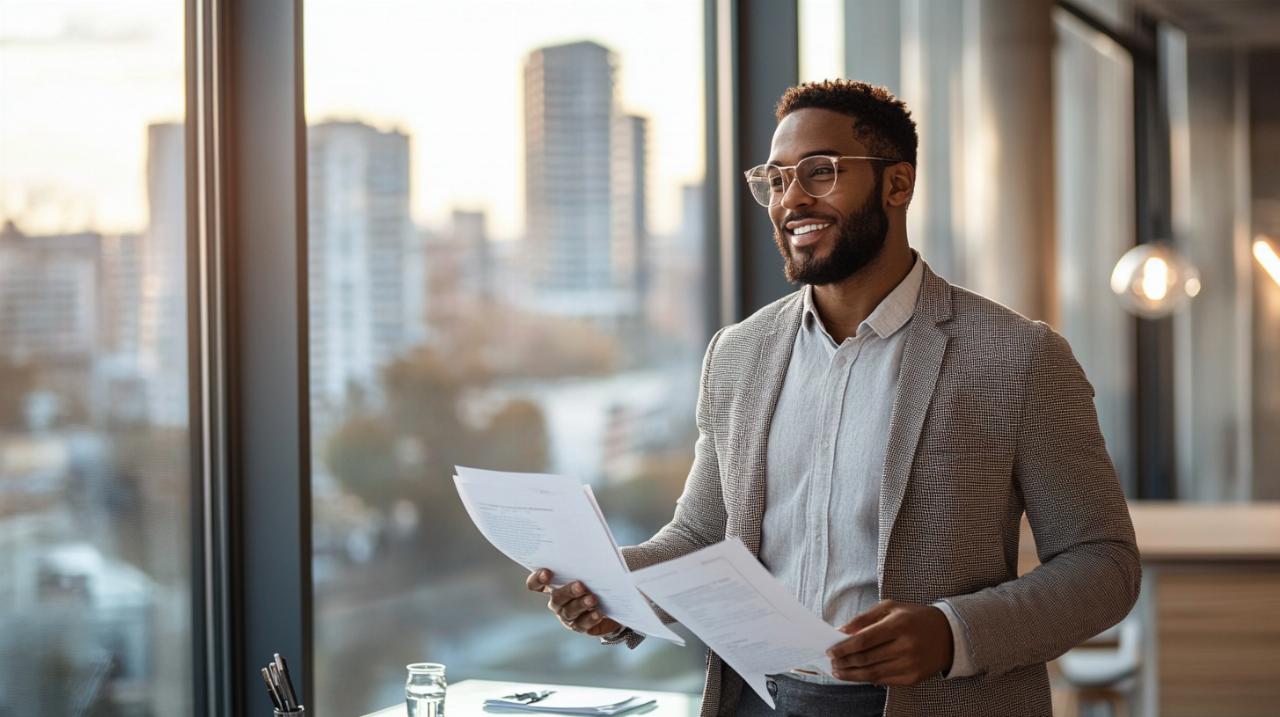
(1104, 669)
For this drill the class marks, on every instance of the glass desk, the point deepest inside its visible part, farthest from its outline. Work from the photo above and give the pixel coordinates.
(465, 699)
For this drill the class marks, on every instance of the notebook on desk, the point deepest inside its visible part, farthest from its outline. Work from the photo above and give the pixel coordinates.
(466, 698)
(569, 701)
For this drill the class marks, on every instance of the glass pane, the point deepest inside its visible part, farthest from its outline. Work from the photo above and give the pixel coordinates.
(506, 271)
(821, 40)
(95, 569)
(1093, 133)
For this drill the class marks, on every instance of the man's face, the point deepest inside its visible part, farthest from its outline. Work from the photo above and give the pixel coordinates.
(852, 224)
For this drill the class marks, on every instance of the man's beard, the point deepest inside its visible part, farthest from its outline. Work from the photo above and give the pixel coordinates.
(860, 240)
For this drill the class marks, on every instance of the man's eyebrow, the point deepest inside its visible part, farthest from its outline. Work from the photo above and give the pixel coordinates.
(814, 153)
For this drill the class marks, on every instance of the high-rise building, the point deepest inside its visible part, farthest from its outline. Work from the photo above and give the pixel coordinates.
(678, 280)
(49, 318)
(163, 319)
(367, 285)
(120, 385)
(48, 296)
(122, 278)
(630, 196)
(472, 238)
(573, 155)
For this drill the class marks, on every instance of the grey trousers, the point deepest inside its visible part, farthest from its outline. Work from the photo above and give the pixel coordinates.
(796, 698)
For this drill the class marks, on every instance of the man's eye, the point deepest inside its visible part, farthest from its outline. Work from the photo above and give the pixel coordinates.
(822, 171)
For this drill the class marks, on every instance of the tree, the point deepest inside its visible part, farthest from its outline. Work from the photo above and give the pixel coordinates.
(362, 456)
(409, 451)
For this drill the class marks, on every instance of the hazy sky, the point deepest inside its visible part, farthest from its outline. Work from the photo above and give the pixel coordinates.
(80, 80)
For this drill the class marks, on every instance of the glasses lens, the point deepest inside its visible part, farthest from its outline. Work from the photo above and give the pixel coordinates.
(765, 183)
(817, 175)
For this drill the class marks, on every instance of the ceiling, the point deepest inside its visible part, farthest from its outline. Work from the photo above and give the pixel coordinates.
(1241, 23)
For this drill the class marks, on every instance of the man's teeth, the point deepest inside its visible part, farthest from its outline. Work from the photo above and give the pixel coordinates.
(801, 231)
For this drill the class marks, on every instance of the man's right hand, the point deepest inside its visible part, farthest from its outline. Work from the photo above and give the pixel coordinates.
(574, 605)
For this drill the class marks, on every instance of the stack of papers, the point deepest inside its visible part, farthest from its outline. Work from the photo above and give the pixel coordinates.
(721, 593)
(571, 702)
(553, 522)
(732, 603)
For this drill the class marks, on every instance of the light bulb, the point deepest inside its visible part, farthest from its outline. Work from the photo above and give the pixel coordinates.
(1267, 257)
(1153, 280)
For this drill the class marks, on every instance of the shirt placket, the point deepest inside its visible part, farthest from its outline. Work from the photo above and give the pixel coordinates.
(835, 386)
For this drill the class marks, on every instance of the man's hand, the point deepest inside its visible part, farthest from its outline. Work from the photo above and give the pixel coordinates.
(894, 643)
(574, 605)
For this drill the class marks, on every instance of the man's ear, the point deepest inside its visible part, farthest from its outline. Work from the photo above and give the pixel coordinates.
(899, 184)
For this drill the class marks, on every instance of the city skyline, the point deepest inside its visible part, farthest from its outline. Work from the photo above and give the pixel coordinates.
(58, 178)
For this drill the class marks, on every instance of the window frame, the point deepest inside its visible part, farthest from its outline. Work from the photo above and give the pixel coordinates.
(251, 532)
(1153, 355)
(248, 317)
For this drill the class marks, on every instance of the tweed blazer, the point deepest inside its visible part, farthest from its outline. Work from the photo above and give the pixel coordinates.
(993, 416)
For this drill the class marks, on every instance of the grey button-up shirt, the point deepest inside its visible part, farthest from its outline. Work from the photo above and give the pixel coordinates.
(826, 456)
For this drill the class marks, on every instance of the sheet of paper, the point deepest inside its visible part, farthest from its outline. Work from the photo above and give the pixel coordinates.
(553, 522)
(732, 603)
(573, 700)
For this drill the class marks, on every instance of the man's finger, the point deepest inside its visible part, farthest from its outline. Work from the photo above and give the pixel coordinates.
(877, 634)
(565, 593)
(571, 610)
(874, 615)
(866, 658)
(897, 671)
(538, 580)
(588, 620)
(604, 627)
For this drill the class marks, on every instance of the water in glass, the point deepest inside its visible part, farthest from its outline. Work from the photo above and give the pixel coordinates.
(424, 690)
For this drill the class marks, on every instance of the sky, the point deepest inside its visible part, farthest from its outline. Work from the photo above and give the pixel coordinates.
(81, 79)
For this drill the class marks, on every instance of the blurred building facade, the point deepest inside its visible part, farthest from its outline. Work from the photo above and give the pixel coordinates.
(366, 280)
(163, 321)
(585, 178)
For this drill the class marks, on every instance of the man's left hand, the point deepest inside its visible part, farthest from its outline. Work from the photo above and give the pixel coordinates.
(895, 644)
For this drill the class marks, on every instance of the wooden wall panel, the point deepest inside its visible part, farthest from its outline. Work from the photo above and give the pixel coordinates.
(1218, 640)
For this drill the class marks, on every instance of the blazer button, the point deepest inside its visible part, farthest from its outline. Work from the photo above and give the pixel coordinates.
(772, 686)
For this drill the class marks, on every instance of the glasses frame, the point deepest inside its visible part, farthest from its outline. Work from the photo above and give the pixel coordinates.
(786, 183)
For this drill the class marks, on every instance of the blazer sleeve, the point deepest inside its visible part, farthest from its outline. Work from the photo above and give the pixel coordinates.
(700, 517)
(1090, 574)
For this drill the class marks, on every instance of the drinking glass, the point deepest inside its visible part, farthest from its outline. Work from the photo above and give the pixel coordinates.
(424, 690)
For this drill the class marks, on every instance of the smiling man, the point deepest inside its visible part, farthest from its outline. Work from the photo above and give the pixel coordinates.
(875, 438)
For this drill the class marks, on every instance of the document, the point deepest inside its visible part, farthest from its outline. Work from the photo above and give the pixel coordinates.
(731, 602)
(554, 522)
(570, 701)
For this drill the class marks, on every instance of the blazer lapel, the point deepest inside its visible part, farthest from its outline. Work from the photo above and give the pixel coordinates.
(763, 387)
(921, 363)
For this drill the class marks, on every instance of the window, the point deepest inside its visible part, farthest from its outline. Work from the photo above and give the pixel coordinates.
(1093, 85)
(976, 129)
(95, 572)
(506, 271)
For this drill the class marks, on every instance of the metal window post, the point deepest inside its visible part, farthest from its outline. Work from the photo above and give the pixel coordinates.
(250, 414)
(757, 59)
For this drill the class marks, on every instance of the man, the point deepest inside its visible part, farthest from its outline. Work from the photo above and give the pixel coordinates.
(875, 438)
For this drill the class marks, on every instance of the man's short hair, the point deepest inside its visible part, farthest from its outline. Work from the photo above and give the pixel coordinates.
(882, 122)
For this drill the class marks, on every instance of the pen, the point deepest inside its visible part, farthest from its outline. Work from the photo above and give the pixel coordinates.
(285, 679)
(271, 690)
(284, 696)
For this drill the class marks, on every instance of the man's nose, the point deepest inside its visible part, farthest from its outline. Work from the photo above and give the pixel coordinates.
(794, 196)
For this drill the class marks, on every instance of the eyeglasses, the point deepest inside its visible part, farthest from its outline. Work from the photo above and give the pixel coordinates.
(817, 175)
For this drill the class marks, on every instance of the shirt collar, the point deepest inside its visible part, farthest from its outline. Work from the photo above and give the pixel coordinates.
(893, 312)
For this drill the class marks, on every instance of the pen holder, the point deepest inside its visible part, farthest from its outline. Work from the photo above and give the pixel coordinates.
(302, 710)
